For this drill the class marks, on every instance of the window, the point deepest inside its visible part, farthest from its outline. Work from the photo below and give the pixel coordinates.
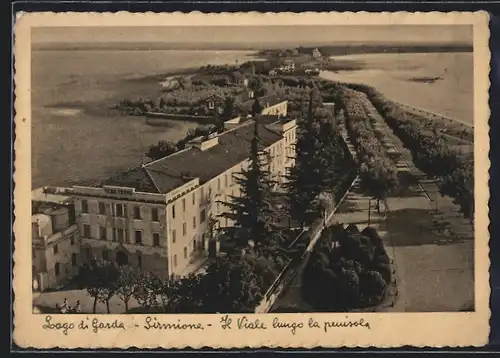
(211, 105)
(138, 237)
(194, 222)
(173, 236)
(183, 205)
(137, 212)
(72, 239)
(120, 235)
(154, 214)
(105, 255)
(120, 210)
(114, 234)
(102, 233)
(85, 206)
(175, 260)
(56, 249)
(202, 216)
(173, 211)
(225, 180)
(57, 269)
(185, 252)
(194, 198)
(209, 191)
(156, 239)
(184, 229)
(218, 184)
(86, 231)
(102, 208)
(194, 245)
(73, 259)
(139, 261)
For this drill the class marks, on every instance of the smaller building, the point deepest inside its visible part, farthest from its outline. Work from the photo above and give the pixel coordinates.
(273, 105)
(55, 240)
(215, 104)
(242, 81)
(289, 66)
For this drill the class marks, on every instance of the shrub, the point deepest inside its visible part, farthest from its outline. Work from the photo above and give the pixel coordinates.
(347, 276)
(372, 286)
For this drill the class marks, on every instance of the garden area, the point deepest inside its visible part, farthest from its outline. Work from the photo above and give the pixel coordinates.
(347, 270)
(378, 171)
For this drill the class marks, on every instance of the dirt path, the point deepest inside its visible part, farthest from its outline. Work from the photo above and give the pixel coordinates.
(432, 249)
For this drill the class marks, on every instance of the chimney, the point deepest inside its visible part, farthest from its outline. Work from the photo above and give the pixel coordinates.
(203, 143)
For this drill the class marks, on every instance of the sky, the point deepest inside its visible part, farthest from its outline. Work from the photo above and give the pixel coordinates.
(303, 34)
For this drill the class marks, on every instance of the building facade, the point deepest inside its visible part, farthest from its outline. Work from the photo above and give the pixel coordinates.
(55, 241)
(161, 216)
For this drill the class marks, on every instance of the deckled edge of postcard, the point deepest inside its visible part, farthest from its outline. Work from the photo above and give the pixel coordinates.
(386, 329)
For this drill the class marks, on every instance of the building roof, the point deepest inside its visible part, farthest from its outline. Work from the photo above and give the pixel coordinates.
(271, 99)
(40, 195)
(215, 96)
(168, 173)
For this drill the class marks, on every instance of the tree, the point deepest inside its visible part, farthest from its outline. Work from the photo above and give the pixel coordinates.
(127, 284)
(379, 177)
(160, 150)
(150, 290)
(228, 108)
(88, 278)
(333, 157)
(253, 212)
(99, 279)
(186, 294)
(231, 286)
(256, 107)
(302, 180)
(108, 276)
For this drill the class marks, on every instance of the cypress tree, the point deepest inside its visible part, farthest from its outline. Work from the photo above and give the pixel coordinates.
(256, 107)
(253, 211)
(302, 183)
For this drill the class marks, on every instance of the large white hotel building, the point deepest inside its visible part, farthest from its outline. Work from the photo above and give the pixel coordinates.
(156, 216)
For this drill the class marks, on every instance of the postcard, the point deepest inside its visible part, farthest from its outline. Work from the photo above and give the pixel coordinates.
(231, 180)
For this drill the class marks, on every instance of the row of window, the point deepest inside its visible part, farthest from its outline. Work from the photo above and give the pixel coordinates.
(290, 136)
(220, 184)
(120, 210)
(120, 235)
(123, 259)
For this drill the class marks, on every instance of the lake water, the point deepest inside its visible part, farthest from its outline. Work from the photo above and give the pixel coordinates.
(75, 136)
(394, 75)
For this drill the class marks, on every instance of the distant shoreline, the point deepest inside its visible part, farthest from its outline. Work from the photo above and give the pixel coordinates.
(258, 49)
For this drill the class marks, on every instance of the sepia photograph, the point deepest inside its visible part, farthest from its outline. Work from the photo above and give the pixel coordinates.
(253, 169)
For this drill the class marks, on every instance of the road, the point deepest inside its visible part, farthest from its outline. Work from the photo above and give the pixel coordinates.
(432, 250)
